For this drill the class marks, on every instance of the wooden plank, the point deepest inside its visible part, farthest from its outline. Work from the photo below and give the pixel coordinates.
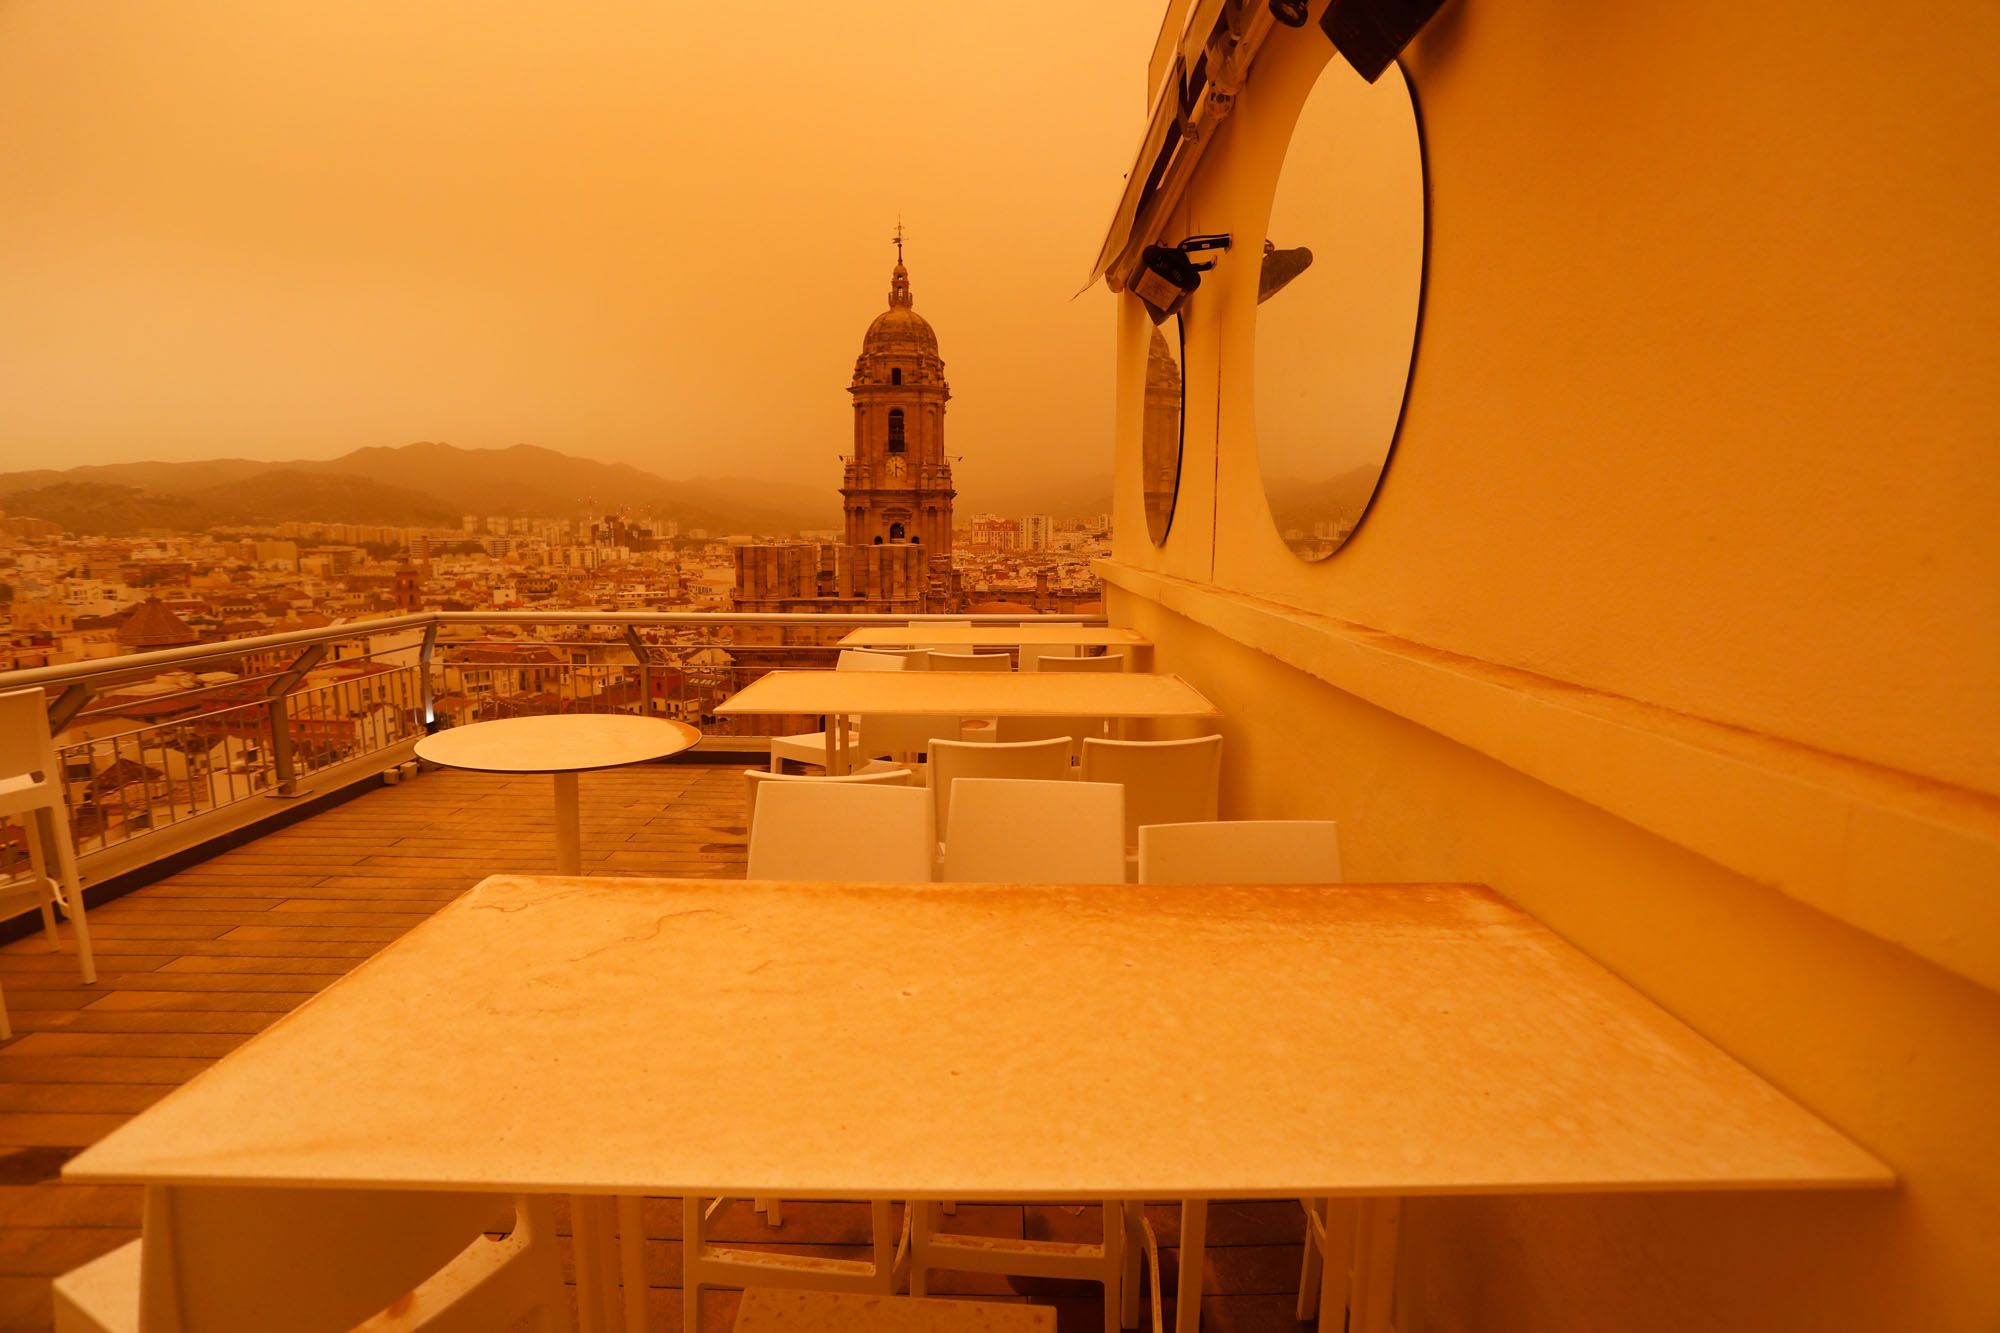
(99, 1098)
(103, 1069)
(355, 934)
(139, 1020)
(48, 1252)
(118, 1043)
(31, 1129)
(331, 967)
(205, 1001)
(51, 1206)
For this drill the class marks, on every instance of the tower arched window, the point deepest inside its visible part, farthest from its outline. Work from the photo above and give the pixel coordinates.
(895, 375)
(895, 430)
(895, 532)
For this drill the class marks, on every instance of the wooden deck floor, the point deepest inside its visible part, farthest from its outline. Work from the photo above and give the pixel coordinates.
(193, 965)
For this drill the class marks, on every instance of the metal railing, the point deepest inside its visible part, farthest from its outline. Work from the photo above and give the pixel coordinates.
(151, 741)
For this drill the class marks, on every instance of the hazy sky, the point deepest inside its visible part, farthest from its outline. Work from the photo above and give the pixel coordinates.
(649, 231)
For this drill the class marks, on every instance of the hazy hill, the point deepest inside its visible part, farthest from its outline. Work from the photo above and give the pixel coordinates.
(417, 485)
(100, 508)
(296, 495)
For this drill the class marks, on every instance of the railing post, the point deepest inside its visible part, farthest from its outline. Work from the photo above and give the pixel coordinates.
(426, 681)
(281, 720)
(67, 705)
(638, 647)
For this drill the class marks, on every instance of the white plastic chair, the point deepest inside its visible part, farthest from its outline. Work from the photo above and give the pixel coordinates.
(902, 738)
(921, 645)
(809, 747)
(217, 1260)
(1166, 782)
(1241, 851)
(854, 828)
(949, 661)
(755, 778)
(1033, 832)
(31, 792)
(835, 830)
(1021, 832)
(1268, 851)
(1102, 662)
(1033, 654)
(1045, 760)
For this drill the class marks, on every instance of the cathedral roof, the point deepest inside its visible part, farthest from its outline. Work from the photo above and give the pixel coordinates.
(151, 624)
(899, 330)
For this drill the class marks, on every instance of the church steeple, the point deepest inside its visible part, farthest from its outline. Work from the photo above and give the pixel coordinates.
(898, 485)
(899, 277)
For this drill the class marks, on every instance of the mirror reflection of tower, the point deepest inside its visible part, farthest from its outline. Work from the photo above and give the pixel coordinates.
(897, 487)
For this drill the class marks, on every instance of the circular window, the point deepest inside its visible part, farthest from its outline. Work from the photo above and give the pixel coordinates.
(1337, 319)
(1160, 439)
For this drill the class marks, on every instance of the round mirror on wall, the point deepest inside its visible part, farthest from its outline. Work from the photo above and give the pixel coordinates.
(1160, 438)
(1337, 320)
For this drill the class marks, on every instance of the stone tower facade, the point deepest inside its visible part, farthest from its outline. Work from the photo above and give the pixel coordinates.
(896, 493)
(897, 484)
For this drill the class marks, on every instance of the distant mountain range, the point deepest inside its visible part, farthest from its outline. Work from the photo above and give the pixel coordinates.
(417, 485)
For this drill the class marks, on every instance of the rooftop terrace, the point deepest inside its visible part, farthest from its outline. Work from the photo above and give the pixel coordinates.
(194, 964)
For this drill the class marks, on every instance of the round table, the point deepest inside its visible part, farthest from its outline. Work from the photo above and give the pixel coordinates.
(561, 745)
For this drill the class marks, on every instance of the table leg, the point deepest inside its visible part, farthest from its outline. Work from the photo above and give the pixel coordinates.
(1194, 1243)
(632, 1261)
(588, 1231)
(1378, 1225)
(838, 758)
(569, 847)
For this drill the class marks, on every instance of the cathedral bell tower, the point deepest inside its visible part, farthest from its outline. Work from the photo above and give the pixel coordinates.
(897, 487)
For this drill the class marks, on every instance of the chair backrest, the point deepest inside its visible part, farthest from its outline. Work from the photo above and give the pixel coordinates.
(842, 831)
(1166, 782)
(1104, 662)
(1016, 730)
(755, 778)
(923, 646)
(904, 736)
(1033, 654)
(943, 661)
(951, 760)
(1242, 851)
(872, 659)
(236, 1260)
(24, 734)
(1015, 832)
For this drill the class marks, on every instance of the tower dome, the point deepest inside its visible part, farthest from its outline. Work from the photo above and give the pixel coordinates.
(900, 334)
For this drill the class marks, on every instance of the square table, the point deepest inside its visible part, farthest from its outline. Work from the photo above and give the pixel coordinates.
(563, 1035)
(1123, 695)
(1003, 636)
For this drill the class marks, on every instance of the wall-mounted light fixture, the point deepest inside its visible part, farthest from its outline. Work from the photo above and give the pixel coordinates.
(1280, 267)
(1372, 33)
(1291, 13)
(1166, 275)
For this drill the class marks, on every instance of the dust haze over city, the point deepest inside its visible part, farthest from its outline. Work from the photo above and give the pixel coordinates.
(243, 231)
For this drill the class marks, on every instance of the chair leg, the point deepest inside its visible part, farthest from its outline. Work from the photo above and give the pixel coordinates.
(1130, 1280)
(692, 1235)
(1114, 1267)
(1309, 1266)
(38, 870)
(921, 1225)
(72, 887)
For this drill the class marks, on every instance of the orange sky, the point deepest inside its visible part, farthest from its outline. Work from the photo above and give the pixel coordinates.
(640, 230)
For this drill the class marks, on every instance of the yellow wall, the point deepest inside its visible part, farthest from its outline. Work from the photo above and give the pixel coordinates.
(1677, 616)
